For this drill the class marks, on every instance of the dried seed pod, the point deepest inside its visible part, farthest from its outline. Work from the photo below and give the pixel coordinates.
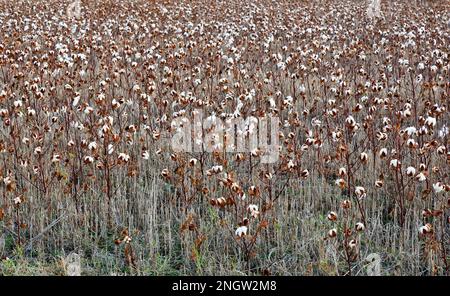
(304, 174)
(332, 216)
(346, 204)
(221, 201)
(332, 233)
(360, 226)
(379, 183)
(165, 173)
(353, 243)
(426, 229)
(193, 162)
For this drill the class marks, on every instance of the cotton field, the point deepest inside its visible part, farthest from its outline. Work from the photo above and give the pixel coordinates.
(231, 137)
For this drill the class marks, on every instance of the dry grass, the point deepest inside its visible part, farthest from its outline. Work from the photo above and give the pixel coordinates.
(140, 61)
